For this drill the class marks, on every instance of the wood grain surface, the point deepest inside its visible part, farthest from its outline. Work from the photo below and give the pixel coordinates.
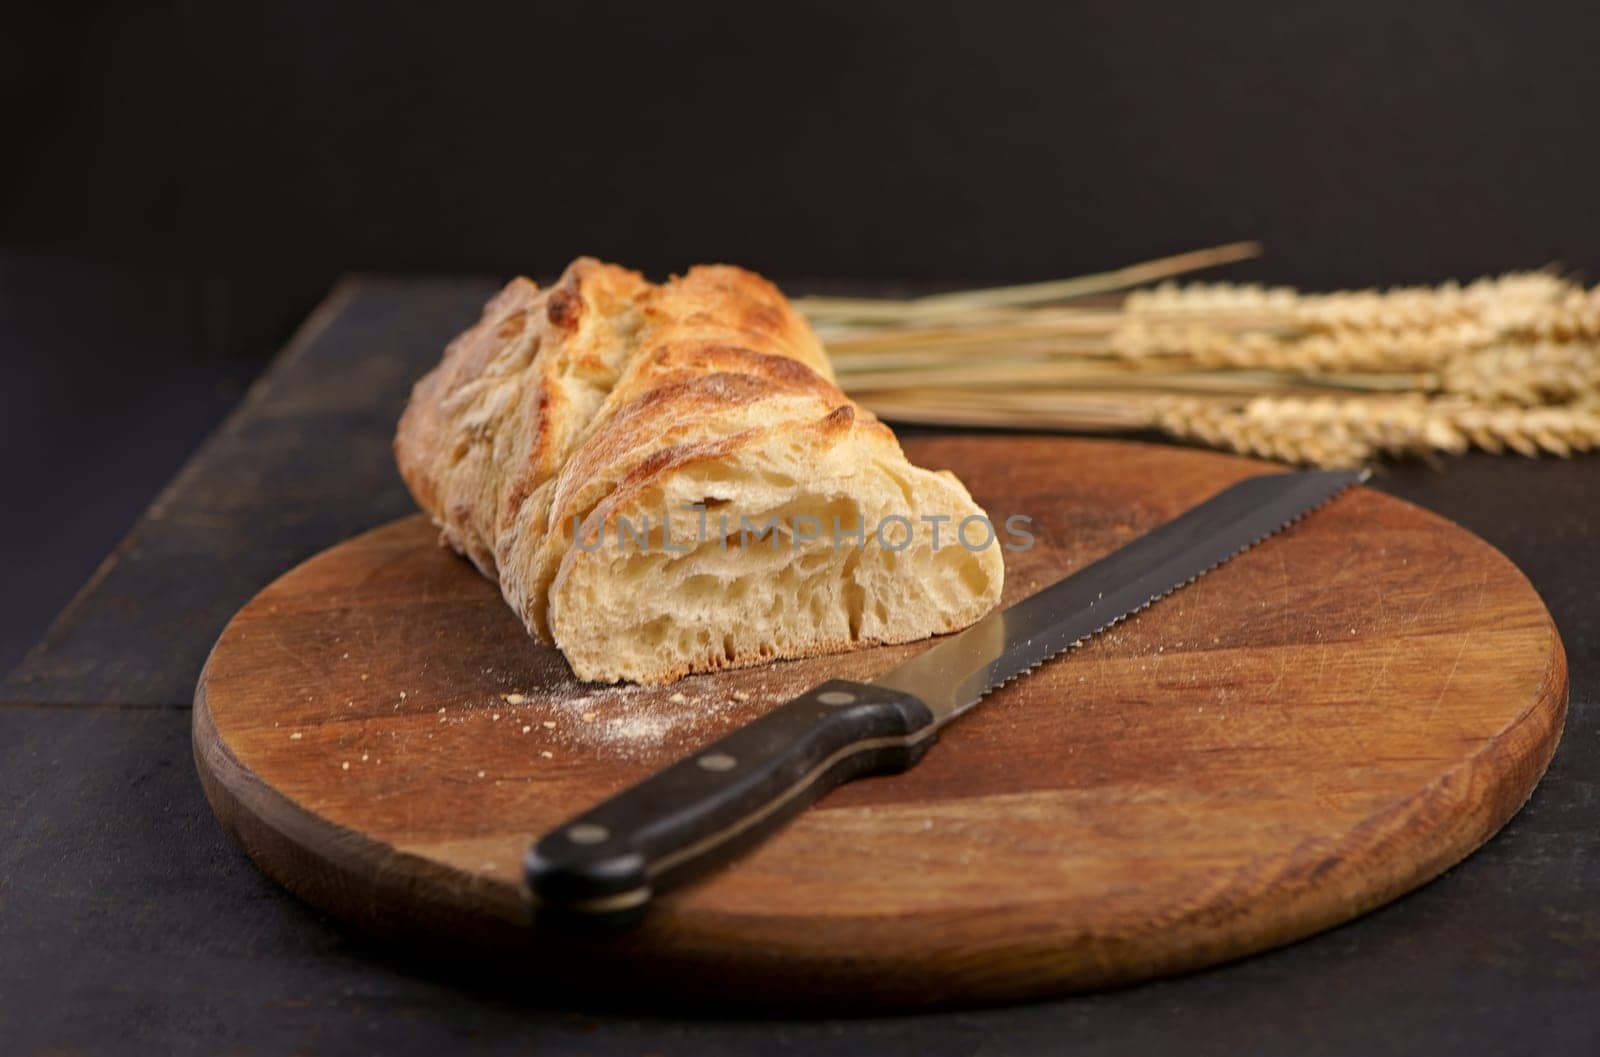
(1304, 734)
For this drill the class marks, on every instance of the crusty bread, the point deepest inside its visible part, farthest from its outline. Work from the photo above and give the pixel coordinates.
(665, 480)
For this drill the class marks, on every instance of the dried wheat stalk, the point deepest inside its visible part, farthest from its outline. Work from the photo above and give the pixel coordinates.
(1348, 432)
(1526, 375)
(823, 310)
(1311, 353)
(1508, 302)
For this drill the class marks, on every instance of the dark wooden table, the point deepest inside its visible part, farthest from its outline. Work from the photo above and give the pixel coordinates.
(129, 923)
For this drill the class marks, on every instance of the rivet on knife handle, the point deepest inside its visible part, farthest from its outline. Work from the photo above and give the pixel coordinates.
(706, 808)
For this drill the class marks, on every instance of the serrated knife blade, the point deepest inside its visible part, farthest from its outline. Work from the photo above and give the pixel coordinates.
(955, 675)
(607, 862)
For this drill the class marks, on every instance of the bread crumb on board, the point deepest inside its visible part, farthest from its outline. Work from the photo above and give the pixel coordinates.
(647, 723)
(634, 721)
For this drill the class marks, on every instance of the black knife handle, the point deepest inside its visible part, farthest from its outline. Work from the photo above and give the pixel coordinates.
(704, 809)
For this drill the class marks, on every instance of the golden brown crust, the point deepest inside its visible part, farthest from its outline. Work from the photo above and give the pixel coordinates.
(497, 417)
(543, 370)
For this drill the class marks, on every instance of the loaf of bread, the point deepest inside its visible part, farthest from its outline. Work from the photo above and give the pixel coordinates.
(665, 480)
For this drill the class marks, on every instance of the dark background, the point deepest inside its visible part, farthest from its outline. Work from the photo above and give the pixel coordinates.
(183, 181)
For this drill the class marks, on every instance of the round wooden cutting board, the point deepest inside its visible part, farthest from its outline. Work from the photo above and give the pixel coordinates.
(1307, 732)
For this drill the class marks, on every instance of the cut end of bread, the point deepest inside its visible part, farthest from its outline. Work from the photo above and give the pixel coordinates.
(756, 559)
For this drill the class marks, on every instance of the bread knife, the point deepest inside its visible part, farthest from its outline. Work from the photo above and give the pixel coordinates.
(702, 811)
